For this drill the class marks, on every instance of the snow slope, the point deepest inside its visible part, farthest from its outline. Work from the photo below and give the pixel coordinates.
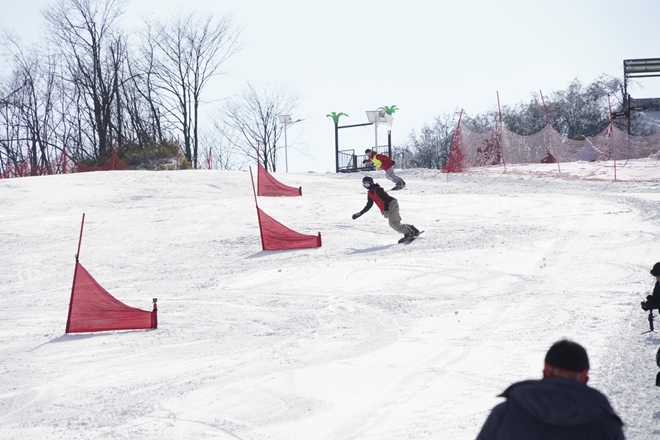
(362, 338)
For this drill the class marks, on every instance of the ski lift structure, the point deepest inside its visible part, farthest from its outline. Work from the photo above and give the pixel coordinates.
(637, 68)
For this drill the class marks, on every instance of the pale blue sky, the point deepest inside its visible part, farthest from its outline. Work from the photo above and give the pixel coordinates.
(426, 57)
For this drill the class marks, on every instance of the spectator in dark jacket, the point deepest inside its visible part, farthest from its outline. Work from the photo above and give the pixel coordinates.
(559, 406)
(388, 205)
(653, 301)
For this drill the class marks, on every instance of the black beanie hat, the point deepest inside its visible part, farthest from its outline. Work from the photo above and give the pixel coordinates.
(567, 355)
(656, 270)
(368, 179)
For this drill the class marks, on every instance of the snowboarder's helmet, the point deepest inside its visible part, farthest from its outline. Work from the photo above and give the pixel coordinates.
(367, 182)
(367, 151)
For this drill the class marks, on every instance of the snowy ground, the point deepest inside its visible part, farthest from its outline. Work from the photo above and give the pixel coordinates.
(359, 339)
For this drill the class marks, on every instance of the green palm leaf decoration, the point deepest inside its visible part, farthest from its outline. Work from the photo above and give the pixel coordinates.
(335, 116)
(389, 109)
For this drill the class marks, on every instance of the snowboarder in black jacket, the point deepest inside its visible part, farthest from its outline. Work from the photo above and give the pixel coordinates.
(559, 406)
(388, 205)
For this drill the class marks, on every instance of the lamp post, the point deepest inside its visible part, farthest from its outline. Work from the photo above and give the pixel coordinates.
(286, 120)
(380, 117)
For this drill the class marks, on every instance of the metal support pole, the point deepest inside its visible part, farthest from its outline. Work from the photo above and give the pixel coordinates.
(336, 147)
(628, 110)
(389, 143)
(286, 156)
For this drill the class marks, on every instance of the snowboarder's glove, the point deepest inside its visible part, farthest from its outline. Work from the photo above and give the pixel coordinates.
(365, 161)
(393, 163)
(356, 215)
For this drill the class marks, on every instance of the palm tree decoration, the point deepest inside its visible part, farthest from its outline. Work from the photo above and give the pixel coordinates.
(389, 109)
(335, 116)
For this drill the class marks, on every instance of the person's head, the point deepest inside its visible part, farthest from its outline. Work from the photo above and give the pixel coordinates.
(367, 182)
(656, 271)
(567, 360)
(368, 151)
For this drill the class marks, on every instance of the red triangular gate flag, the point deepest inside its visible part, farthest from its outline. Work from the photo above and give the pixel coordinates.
(457, 162)
(268, 186)
(277, 237)
(93, 309)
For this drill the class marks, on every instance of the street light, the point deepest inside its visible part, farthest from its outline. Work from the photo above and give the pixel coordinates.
(286, 120)
(379, 117)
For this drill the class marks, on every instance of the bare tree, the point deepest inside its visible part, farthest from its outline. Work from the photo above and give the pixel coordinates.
(429, 149)
(525, 118)
(249, 121)
(10, 138)
(223, 153)
(85, 33)
(145, 106)
(579, 110)
(187, 52)
(29, 104)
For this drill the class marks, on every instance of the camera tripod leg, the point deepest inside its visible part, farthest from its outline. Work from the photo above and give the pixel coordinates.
(650, 322)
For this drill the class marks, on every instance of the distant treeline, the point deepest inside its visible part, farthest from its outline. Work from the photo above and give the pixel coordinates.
(93, 87)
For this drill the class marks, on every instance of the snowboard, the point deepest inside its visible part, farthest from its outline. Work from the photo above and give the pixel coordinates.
(408, 240)
(398, 188)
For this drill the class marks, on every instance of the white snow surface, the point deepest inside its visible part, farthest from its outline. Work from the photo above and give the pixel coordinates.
(362, 338)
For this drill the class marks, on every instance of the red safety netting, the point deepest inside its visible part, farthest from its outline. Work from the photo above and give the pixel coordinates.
(64, 164)
(93, 309)
(501, 147)
(111, 164)
(268, 186)
(277, 237)
(27, 168)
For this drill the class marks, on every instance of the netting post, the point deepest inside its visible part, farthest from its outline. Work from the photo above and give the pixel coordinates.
(154, 314)
(75, 272)
(114, 155)
(501, 136)
(254, 192)
(610, 129)
(613, 148)
(63, 155)
(552, 144)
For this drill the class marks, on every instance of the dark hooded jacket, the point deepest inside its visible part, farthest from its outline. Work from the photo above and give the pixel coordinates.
(552, 409)
(654, 299)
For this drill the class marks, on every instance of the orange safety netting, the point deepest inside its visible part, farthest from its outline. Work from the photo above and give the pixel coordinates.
(268, 186)
(277, 237)
(93, 309)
